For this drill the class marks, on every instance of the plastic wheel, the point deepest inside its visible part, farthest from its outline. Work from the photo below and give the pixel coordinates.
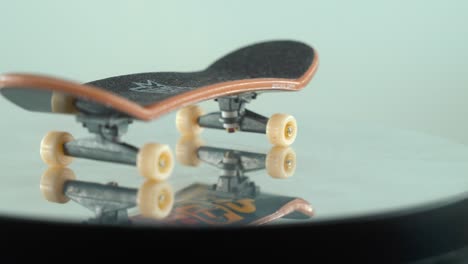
(62, 103)
(186, 150)
(187, 120)
(281, 129)
(155, 200)
(155, 161)
(52, 148)
(280, 162)
(52, 183)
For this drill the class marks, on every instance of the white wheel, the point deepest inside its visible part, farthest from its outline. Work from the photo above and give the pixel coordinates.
(52, 148)
(280, 162)
(62, 103)
(186, 150)
(155, 161)
(52, 183)
(187, 120)
(281, 129)
(155, 200)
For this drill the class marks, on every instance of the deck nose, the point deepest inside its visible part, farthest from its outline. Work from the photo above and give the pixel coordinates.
(29, 99)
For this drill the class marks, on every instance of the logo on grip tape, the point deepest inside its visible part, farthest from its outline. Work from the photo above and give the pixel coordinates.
(151, 86)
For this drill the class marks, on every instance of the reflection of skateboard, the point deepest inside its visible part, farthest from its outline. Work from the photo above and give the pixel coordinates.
(197, 204)
(233, 200)
(106, 107)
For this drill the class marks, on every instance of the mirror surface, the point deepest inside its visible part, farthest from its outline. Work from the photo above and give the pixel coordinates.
(333, 170)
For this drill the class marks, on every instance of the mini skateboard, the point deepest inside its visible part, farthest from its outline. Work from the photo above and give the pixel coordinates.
(106, 107)
(233, 200)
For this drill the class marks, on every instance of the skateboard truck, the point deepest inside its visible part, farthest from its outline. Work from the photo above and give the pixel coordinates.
(233, 165)
(280, 163)
(109, 202)
(281, 129)
(234, 116)
(154, 161)
(96, 198)
(106, 145)
(109, 128)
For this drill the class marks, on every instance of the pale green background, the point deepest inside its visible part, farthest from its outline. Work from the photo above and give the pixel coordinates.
(382, 125)
(402, 63)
